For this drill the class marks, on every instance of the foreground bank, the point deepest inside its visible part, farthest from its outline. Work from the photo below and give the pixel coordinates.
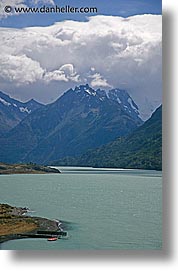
(14, 224)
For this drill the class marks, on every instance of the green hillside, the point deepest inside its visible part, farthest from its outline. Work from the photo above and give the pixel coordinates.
(142, 149)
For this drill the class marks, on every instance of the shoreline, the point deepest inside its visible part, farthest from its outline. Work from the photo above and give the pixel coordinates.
(30, 168)
(14, 224)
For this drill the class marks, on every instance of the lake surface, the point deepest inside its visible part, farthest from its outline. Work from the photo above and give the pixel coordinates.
(102, 208)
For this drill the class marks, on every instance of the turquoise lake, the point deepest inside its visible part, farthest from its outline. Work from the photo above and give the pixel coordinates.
(101, 208)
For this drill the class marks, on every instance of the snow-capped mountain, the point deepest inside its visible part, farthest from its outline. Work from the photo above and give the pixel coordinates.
(13, 111)
(120, 96)
(81, 119)
(124, 100)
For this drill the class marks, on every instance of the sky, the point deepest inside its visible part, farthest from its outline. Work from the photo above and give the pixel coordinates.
(41, 56)
(123, 8)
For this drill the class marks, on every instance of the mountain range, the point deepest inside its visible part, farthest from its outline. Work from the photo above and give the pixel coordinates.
(13, 111)
(140, 149)
(81, 119)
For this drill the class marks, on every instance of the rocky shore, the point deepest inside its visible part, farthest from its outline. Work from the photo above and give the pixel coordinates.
(15, 224)
(30, 168)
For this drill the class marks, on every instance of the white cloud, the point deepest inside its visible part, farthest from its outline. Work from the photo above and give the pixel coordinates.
(20, 70)
(56, 75)
(99, 82)
(64, 73)
(104, 51)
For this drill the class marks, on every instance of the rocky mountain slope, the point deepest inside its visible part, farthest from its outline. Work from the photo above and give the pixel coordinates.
(82, 118)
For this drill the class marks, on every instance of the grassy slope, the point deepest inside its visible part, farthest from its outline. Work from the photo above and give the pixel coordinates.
(13, 222)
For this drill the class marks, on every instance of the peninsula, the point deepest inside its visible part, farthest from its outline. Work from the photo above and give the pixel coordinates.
(29, 168)
(14, 224)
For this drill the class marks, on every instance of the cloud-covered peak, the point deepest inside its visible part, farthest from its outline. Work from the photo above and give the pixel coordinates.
(105, 51)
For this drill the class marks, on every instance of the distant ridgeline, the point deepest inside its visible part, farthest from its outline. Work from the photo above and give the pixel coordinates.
(141, 149)
(81, 119)
(84, 127)
(13, 111)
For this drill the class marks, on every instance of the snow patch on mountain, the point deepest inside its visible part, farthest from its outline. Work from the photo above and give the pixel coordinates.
(25, 109)
(120, 96)
(21, 108)
(134, 107)
(4, 102)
